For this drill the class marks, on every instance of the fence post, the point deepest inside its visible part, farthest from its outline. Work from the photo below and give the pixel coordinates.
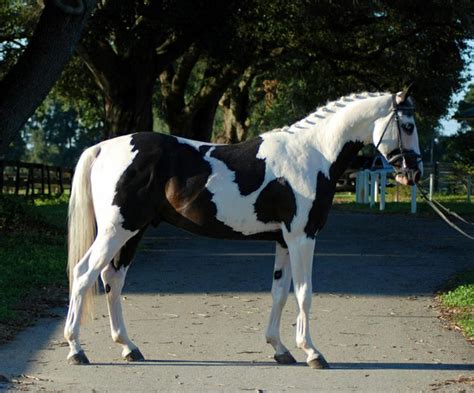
(432, 182)
(376, 186)
(469, 187)
(17, 179)
(373, 177)
(383, 185)
(60, 178)
(413, 199)
(42, 180)
(357, 187)
(48, 179)
(2, 167)
(366, 186)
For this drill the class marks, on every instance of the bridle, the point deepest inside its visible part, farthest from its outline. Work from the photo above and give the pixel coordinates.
(399, 155)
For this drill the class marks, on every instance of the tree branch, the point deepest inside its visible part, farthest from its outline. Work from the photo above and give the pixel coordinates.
(104, 64)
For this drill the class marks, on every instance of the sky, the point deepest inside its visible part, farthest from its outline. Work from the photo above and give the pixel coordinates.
(449, 126)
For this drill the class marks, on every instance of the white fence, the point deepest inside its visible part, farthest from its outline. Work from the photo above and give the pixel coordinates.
(371, 188)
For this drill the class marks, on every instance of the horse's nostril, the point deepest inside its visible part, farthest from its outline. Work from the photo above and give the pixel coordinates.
(417, 176)
(408, 128)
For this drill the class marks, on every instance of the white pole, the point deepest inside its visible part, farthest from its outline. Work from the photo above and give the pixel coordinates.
(413, 199)
(366, 186)
(431, 186)
(383, 185)
(373, 175)
(376, 187)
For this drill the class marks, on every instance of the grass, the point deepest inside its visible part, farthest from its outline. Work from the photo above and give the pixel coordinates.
(456, 203)
(32, 249)
(458, 302)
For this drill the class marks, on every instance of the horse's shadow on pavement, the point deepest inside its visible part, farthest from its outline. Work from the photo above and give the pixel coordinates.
(333, 366)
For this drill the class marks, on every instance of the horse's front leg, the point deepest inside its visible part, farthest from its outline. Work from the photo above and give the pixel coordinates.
(280, 288)
(301, 250)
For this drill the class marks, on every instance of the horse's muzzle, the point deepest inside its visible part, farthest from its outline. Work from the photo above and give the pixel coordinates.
(407, 166)
(408, 177)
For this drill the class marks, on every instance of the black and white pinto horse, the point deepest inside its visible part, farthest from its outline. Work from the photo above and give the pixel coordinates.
(278, 186)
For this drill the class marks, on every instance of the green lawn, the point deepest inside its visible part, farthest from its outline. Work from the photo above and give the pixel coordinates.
(32, 249)
(458, 302)
(456, 203)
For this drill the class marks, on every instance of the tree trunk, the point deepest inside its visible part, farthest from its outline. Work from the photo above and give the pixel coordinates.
(235, 104)
(48, 51)
(197, 125)
(194, 119)
(127, 84)
(129, 109)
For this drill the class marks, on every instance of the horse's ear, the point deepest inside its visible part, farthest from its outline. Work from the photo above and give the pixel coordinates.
(406, 92)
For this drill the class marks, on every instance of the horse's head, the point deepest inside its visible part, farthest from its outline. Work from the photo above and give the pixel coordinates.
(396, 137)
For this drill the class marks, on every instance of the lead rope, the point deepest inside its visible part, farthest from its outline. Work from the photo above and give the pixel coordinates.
(434, 205)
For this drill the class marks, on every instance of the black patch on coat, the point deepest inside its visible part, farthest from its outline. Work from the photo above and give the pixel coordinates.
(107, 288)
(204, 149)
(127, 252)
(277, 274)
(276, 203)
(325, 188)
(166, 182)
(241, 158)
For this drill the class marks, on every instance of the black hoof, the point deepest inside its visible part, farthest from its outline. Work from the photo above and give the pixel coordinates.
(285, 358)
(134, 356)
(318, 363)
(79, 358)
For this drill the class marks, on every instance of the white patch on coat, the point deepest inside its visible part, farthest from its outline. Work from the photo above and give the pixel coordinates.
(234, 209)
(115, 157)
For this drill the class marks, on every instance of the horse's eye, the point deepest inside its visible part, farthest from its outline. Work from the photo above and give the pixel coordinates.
(408, 128)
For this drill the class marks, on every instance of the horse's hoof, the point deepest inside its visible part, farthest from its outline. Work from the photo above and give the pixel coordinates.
(134, 356)
(318, 363)
(285, 358)
(79, 358)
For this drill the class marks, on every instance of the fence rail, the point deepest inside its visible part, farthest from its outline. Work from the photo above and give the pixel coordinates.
(24, 178)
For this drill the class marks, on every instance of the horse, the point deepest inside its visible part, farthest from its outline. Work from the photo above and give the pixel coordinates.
(278, 186)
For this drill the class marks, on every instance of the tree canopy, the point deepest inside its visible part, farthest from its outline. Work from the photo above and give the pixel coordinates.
(230, 70)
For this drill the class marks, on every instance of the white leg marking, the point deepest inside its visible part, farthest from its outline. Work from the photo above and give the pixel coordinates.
(301, 250)
(280, 289)
(107, 243)
(113, 283)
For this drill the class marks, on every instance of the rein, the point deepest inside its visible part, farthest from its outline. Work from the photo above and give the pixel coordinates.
(439, 208)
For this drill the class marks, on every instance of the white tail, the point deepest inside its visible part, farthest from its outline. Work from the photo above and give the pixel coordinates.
(81, 220)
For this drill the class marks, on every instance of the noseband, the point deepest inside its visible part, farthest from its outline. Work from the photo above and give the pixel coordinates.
(401, 154)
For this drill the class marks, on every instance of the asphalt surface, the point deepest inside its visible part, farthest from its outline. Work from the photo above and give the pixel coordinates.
(198, 310)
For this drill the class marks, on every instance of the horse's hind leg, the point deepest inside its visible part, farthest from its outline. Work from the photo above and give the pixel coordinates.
(280, 288)
(113, 277)
(107, 243)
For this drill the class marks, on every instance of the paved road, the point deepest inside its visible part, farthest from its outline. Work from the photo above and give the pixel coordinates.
(198, 309)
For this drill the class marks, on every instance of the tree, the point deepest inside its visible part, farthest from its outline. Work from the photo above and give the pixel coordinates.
(53, 136)
(28, 82)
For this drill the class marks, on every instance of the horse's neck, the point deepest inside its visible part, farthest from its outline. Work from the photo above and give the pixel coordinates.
(339, 130)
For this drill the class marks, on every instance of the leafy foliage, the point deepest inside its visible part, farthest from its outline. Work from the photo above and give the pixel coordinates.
(32, 249)
(302, 53)
(54, 135)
